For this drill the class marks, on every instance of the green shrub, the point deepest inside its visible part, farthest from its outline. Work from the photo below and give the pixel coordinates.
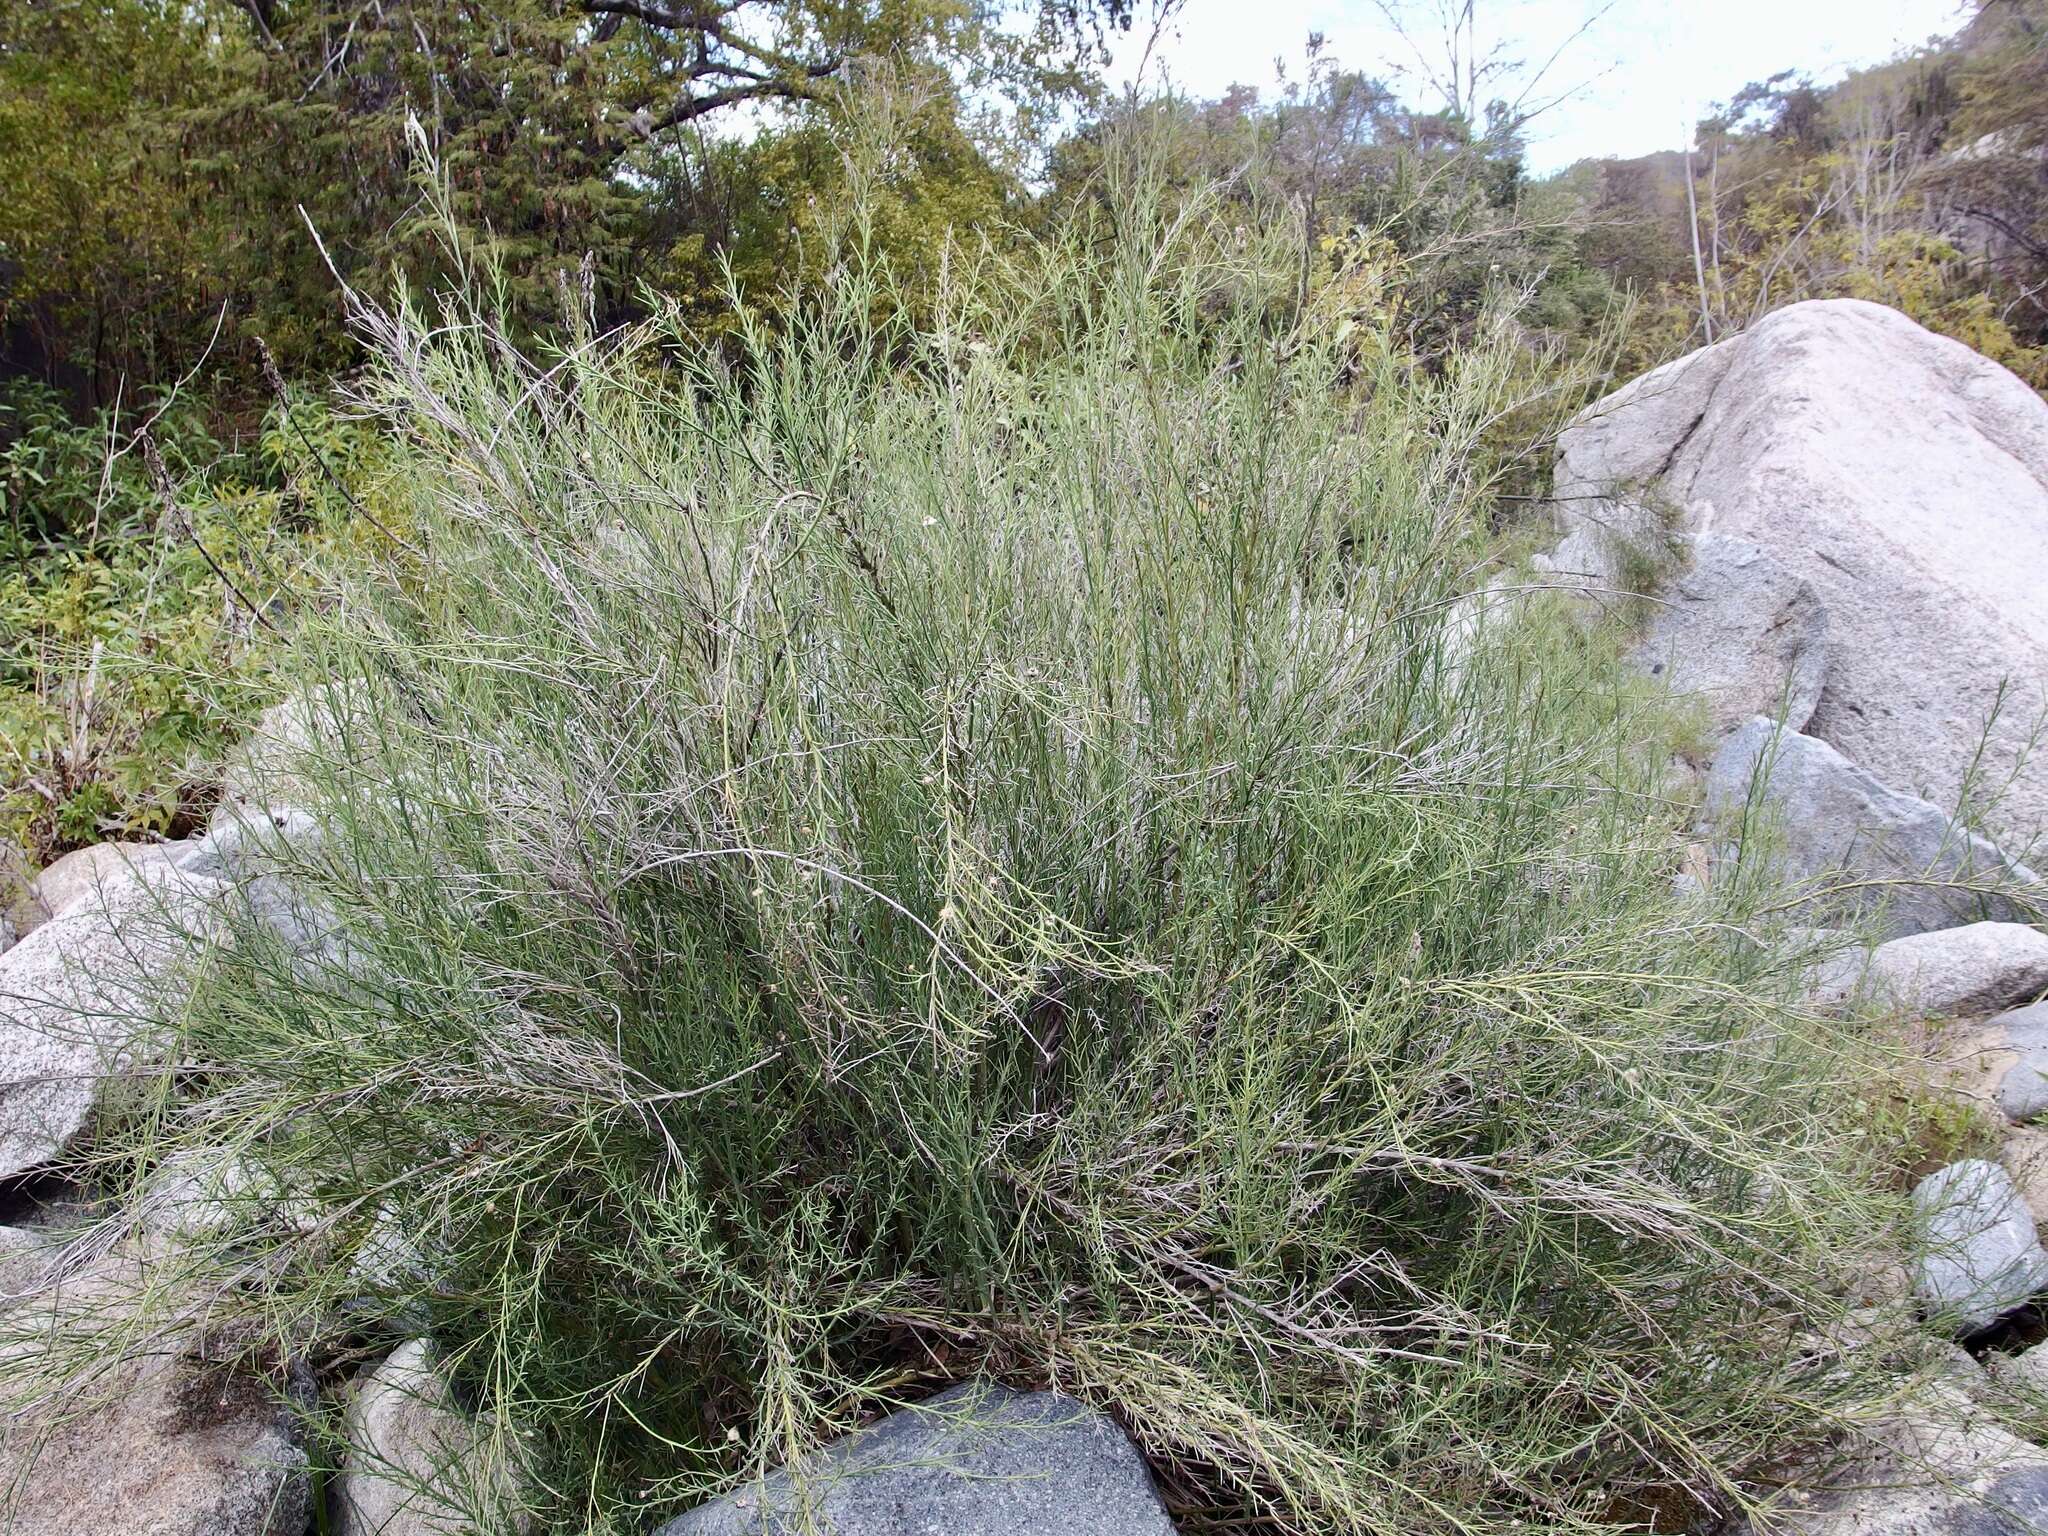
(126, 662)
(995, 849)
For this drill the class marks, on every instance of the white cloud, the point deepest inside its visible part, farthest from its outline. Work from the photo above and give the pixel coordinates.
(1645, 70)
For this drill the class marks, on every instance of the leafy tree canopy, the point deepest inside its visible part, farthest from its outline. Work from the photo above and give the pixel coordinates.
(176, 156)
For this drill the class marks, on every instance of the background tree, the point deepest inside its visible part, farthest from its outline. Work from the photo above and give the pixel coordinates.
(108, 252)
(178, 154)
(1366, 171)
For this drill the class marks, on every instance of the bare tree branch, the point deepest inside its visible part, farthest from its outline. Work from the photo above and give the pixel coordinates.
(741, 68)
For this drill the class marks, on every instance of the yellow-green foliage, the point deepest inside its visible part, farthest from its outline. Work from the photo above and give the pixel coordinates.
(1918, 1126)
(895, 142)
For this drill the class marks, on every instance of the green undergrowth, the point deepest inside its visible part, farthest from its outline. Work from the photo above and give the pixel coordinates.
(130, 617)
(890, 854)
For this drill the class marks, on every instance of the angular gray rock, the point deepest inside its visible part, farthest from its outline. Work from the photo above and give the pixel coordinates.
(1739, 631)
(79, 997)
(24, 1259)
(304, 922)
(171, 1443)
(1836, 820)
(2028, 1369)
(263, 853)
(417, 1465)
(977, 1460)
(199, 1196)
(162, 1449)
(1900, 475)
(1980, 1257)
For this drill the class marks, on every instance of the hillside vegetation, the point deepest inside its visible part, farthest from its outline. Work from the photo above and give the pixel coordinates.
(196, 184)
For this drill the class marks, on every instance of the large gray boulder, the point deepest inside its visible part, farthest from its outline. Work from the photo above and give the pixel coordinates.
(266, 771)
(81, 874)
(978, 1460)
(266, 854)
(417, 1465)
(1904, 479)
(243, 842)
(1979, 1255)
(83, 995)
(1881, 851)
(1741, 632)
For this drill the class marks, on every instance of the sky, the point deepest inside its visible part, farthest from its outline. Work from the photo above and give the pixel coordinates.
(1645, 71)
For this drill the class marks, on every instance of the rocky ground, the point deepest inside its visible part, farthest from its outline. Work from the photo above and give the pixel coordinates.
(1830, 530)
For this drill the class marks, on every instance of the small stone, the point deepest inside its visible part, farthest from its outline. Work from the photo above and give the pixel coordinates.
(417, 1464)
(1981, 1257)
(977, 1460)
